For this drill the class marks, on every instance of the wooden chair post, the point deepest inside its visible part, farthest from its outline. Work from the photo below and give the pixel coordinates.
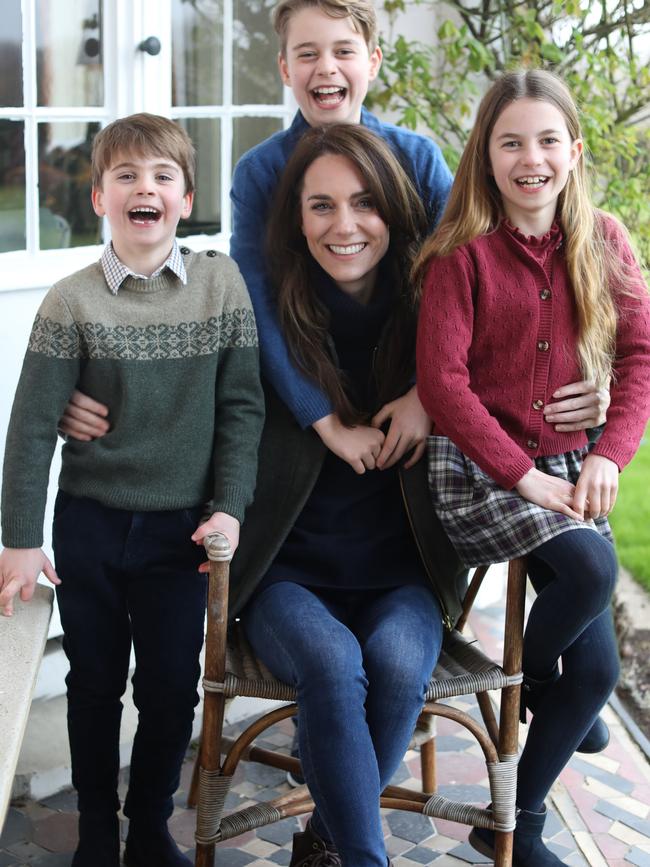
(512, 662)
(209, 760)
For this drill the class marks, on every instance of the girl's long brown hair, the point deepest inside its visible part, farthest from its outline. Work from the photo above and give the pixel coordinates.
(475, 208)
(303, 317)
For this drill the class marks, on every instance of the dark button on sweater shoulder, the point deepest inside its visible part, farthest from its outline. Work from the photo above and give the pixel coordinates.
(185, 251)
(211, 253)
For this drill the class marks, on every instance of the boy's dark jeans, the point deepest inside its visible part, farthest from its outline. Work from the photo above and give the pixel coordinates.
(129, 577)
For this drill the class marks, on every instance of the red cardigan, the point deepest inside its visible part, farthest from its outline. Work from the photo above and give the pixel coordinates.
(497, 336)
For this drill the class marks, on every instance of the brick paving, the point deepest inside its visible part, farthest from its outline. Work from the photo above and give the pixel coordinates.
(599, 811)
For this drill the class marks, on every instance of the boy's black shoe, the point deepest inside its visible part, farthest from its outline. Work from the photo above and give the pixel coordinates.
(150, 844)
(99, 840)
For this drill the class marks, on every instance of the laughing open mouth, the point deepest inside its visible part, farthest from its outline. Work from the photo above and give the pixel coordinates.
(348, 250)
(329, 95)
(144, 215)
(532, 182)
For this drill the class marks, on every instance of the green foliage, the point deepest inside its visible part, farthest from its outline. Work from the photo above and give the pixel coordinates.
(597, 47)
(631, 517)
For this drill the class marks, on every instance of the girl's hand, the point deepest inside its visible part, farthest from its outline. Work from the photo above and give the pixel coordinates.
(83, 418)
(549, 492)
(580, 406)
(218, 522)
(409, 428)
(358, 446)
(597, 487)
(19, 569)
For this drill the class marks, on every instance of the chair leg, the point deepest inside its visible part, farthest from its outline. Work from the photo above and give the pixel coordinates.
(204, 855)
(502, 849)
(428, 765)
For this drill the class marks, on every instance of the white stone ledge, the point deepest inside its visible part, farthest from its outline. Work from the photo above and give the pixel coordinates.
(22, 641)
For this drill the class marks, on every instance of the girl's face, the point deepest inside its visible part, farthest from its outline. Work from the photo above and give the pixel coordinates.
(531, 155)
(343, 230)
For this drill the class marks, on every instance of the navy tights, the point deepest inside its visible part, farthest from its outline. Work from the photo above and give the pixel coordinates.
(571, 619)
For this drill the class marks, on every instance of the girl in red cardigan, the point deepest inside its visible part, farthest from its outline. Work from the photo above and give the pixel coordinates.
(527, 286)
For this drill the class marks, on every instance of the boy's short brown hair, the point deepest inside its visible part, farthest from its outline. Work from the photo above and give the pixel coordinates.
(362, 13)
(146, 135)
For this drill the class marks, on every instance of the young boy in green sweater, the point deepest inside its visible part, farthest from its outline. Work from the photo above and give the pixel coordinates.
(167, 339)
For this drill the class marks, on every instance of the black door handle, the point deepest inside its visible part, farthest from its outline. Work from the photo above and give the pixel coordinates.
(151, 45)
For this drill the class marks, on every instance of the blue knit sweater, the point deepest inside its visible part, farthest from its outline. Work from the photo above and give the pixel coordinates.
(254, 183)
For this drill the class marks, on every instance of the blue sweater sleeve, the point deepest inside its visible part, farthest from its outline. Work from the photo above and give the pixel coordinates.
(253, 186)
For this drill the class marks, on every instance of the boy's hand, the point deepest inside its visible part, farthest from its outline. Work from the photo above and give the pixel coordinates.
(219, 522)
(597, 487)
(358, 446)
(19, 569)
(549, 492)
(580, 406)
(409, 428)
(83, 418)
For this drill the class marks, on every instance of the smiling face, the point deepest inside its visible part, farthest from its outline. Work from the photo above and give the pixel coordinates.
(144, 198)
(531, 155)
(343, 230)
(328, 66)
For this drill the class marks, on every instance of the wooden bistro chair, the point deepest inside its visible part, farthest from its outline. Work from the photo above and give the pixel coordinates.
(231, 669)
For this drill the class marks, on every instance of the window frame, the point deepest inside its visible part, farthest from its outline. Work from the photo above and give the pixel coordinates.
(133, 81)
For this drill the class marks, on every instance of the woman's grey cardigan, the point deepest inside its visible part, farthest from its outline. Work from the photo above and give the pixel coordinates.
(290, 460)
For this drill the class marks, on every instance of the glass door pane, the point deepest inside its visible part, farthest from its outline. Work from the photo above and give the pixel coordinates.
(66, 215)
(12, 186)
(206, 213)
(197, 52)
(11, 60)
(256, 79)
(69, 65)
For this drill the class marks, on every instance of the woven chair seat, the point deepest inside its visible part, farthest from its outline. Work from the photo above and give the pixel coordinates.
(462, 669)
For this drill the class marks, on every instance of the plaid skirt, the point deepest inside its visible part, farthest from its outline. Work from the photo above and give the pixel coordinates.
(488, 524)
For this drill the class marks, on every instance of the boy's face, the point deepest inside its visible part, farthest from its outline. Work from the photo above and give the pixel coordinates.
(328, 67)
(143, 198)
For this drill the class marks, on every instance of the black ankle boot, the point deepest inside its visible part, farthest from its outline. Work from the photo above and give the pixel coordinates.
(150, 843)
(99, 839)
(532, 695)
(528, 848)
(310, 850)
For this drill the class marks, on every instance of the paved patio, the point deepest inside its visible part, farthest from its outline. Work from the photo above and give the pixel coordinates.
(599, 811)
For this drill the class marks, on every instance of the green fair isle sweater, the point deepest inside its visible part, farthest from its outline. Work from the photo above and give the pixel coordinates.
(178, 367)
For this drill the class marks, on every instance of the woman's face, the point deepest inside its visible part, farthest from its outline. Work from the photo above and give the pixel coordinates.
(343, 230)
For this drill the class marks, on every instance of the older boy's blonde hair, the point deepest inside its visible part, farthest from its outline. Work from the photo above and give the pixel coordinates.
(145, 135)
(362, 13)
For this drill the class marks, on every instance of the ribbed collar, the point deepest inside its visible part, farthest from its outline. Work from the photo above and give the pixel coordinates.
(540, 247)
(116, 272)
(350, 320)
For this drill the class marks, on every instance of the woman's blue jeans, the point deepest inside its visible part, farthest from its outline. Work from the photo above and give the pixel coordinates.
(361, 663)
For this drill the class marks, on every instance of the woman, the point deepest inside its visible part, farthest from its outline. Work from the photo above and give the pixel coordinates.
(328, 581)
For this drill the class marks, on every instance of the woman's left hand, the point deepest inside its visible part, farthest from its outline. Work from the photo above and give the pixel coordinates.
(579, 406)
(596, 488)
(409, 428)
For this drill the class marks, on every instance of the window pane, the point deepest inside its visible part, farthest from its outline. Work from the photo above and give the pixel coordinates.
(11, 61)
(206, 213)
(197, 49)
(69, 58)
(66, 215)
(256, 79)
(249, 131)
(12, 186)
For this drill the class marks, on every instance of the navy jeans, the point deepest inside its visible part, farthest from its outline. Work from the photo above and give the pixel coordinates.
(570, 620)
(129, 578)
(361, 663)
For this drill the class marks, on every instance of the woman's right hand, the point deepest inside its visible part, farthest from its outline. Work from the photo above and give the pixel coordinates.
(549, 492)
(358, 446)
(83, 418)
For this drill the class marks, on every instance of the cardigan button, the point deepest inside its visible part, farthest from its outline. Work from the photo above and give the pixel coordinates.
(543, 345)
(211, 253)
(538, 404)
(532, 444)
(545, 294)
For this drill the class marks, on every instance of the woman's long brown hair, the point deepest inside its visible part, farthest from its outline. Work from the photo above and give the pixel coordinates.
(303, 317)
